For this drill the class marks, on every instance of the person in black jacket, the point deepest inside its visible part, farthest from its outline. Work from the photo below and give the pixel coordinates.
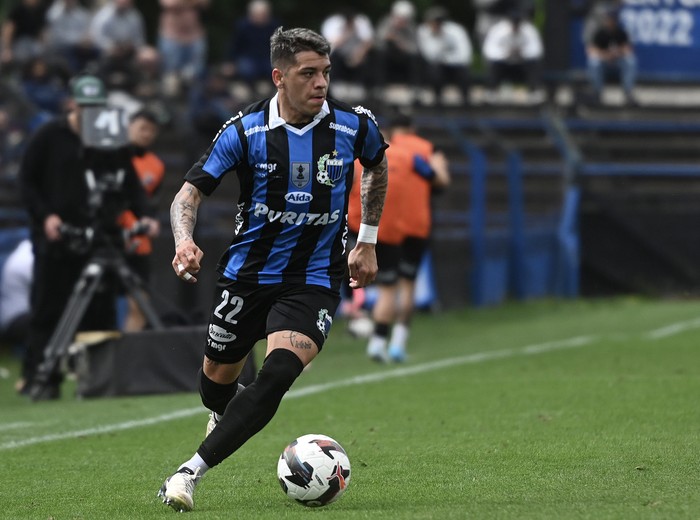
(609, 49)
(56, 187)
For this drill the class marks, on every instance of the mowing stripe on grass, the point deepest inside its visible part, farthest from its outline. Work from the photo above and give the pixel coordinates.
(15, 425)
(479, 357)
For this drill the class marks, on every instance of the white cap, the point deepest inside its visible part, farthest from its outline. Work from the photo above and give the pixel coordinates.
(403, 8)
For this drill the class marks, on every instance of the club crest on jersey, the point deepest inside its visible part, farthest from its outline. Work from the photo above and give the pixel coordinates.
(330, 169)
(300, 174)
(324, 322)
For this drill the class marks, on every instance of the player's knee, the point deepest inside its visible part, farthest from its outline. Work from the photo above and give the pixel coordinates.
(279, 370)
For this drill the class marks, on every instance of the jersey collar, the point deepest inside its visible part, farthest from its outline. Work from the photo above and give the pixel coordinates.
(276, 120)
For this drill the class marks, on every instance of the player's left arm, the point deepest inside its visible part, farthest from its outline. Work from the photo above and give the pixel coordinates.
(362, 260)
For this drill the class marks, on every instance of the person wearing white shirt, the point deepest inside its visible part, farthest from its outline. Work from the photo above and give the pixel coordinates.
(513, 50)
(447, 51)
(15, 288)
(351, 36)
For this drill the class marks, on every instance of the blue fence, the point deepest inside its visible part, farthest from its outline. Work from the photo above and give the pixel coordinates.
(516, 255)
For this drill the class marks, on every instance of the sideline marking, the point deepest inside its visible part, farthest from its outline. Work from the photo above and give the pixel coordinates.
(478, 357)
(672, 329)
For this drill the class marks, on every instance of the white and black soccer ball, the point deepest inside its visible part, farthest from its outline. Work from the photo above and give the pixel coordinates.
(314, 470)
(323, 178)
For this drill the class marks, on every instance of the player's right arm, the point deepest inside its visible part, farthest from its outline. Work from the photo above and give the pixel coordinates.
(183, 218)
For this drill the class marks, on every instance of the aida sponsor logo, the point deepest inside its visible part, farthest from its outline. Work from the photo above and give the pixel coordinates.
(298, 197)
(217, 333)
(294, 218)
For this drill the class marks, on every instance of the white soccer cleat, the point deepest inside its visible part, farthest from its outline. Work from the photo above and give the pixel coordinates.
(212, 423)
(178, 490)
(377, 352)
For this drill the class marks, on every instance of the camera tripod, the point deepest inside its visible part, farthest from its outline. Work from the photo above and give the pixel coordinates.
(104, 260)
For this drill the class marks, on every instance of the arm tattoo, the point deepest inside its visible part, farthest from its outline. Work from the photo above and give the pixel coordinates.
(183, 212)
(302, 343)
(372, 192)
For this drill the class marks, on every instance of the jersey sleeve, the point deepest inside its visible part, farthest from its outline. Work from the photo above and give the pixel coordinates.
(372, 151)
(422, 167)
(222, 156)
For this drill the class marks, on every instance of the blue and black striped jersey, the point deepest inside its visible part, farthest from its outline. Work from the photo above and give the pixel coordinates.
(295, 182)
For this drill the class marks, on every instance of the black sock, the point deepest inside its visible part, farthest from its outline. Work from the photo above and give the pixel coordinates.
(253, 407)
(382, 329)
(216, 396)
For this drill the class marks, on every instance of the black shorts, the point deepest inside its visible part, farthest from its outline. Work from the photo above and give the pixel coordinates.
(412, 251)
(244, 313)
(388, 257)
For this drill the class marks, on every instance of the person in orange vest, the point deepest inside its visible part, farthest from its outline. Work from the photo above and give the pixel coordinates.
(144, 128)
(415, 169)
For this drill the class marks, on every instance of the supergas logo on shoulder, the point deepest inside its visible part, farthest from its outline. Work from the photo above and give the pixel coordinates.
(227, 124)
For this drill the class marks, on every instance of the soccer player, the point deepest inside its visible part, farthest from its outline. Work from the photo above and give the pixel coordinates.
(280, 277)
(414, 171)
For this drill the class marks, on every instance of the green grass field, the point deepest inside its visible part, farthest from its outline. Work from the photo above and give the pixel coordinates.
(584, 409)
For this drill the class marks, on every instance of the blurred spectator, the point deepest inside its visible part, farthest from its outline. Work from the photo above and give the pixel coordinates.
(488, 13)
(447, 51)
(182, 41)
(211, 104)
(43, 88)
(513, 50)
(68, 35)
(15, 288)
(149, 78)
(610, 50)
(143, 131)
(118, 29)
(351, 36)
(596, 11)
(249, 52)
(23, 32)
(397, 46)
(117, 26)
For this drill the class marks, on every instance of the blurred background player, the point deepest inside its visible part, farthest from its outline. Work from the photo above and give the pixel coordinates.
(415, 170)
(143, 131)
(388, 248)
(430, 174)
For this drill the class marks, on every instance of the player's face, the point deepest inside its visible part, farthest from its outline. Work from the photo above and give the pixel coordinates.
(303, 86)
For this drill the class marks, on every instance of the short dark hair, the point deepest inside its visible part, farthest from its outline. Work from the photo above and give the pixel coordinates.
(284, 45)
(146, 114)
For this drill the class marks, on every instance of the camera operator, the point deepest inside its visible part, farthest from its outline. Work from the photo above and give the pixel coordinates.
(63, 183)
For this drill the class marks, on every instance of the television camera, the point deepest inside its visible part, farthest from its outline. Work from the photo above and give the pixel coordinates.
(101, 240)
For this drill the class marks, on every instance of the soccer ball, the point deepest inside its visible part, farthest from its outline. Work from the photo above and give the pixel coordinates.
(323, 177)
(314, 470)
